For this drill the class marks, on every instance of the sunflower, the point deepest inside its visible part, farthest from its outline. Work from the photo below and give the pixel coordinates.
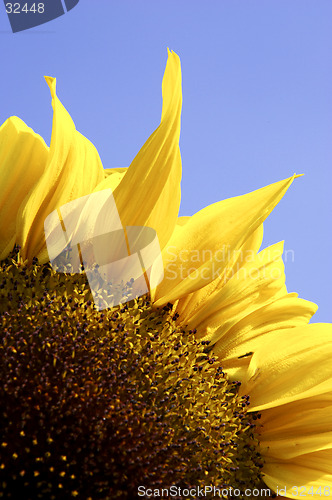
(202, 365)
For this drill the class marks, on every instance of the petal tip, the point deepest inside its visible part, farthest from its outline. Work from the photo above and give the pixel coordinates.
(51, 82)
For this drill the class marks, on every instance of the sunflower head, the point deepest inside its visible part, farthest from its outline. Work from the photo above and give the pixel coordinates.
(95, 404)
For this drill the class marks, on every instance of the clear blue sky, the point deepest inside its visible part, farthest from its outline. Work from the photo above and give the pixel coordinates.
(257, 103)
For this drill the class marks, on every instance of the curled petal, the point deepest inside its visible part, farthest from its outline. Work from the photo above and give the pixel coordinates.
(73, 169)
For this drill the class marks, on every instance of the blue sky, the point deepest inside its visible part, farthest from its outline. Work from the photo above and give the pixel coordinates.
(257, 102)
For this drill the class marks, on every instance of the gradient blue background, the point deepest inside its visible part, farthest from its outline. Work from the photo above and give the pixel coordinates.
(257, 103)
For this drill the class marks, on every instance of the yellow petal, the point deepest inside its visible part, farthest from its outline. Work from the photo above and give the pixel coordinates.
(149, 192)
(300, 367)
(263, 324)
(307, 476)
(195, 302)
(296, 429)
(73, 170)
(111, 171)
(255, 284)
(217, 232)
(23, 156)
(113, 177)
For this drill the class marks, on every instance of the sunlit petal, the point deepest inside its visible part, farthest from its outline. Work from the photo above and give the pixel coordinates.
(196, 301)
(73, 170)
(149, 192)
(235, 348)
(219, 228)
(309, 475)
(23, 157)
(300, 367)
(254, 285)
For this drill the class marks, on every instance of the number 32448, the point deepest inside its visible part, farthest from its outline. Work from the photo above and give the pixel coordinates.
(16, 8)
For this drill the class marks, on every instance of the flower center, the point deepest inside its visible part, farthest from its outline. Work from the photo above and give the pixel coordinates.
(95, 404)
